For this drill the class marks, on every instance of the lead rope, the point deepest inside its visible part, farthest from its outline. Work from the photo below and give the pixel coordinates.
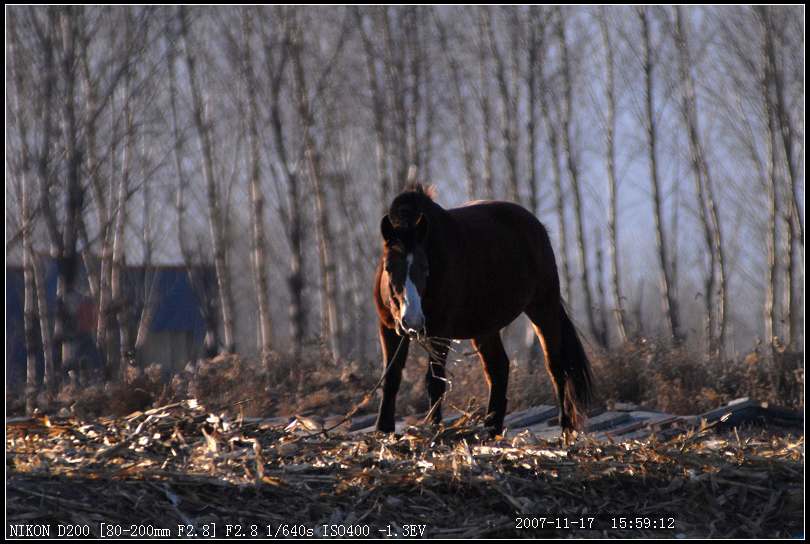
(366, 396)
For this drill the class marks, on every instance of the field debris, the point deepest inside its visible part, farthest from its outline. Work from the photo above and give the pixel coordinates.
(181, 465)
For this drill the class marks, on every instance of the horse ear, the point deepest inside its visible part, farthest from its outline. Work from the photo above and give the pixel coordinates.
(421, 228)
(387, 229)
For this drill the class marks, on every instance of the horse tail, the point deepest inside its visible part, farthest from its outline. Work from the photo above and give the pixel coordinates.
(579, 380)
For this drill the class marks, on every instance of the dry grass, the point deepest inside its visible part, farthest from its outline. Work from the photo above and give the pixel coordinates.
(182, 465)
(194, 463)
(647, 373)
(679, 381)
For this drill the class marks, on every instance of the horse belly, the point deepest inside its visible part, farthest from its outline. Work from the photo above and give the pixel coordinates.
(499, 287)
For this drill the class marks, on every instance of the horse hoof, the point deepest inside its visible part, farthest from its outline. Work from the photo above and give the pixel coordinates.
(493, 433)
(568, 437)
(385, 428)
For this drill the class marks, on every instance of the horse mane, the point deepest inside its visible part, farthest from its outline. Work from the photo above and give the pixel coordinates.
(415, 199)
(416, 187)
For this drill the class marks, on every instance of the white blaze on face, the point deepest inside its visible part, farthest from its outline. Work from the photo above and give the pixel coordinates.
(411, 310)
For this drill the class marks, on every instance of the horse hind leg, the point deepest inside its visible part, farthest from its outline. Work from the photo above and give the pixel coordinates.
(496, 367)
(435, 380)
(549, 335)
(566, 363)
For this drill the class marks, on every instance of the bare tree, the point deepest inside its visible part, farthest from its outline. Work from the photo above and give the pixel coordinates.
(117, 280)
(27, 224)
(415, 73)
(97, 133)
(783, 123)
(610, 155)
(460, 106)
(600, 284)
(573, 175)
(667, 288)
(707, 205)
(106, 217)
(33, 162)
(312, 152)
(196, 276)
(485, 104)
(46, 38)
(767, 77)
(536, 56)
(394, 60)
(509, 106)
(429, 90)
(292, 213)
(58, 41)
(258, 257)
(378, 101)
(202, 122)
(148, 294)
(550, 118)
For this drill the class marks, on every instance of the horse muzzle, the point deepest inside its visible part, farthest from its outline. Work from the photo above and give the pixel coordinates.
(406, 329)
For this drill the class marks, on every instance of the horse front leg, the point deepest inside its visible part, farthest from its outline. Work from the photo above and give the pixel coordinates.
(435, 380)
(395, 352)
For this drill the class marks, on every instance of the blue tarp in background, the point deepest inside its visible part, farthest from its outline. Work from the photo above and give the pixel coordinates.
(178, 309)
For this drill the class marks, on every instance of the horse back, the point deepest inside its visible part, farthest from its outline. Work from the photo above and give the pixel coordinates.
(501, 262)
(497, 229)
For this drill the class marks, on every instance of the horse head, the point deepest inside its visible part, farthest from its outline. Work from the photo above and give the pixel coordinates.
(405, 272)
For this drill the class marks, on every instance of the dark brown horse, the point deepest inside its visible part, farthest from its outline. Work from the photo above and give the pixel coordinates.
(465, 273)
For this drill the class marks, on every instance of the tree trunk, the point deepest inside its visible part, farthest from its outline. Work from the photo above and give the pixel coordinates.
(722, 280)
(788, 299)
(68, 266)
(295, 279)
(51, 376)
(378, 108)
(546, 98)
(700, 172)
(29, 308)
(395, 68)
(668, 302)
(573, 174)
(771, 280)
(104, 318)
(411, 51)
(472, 183)
(294, 213)
(429, 91)
(610, 153)
(48, 370)
(357, 259)
(119, 298)
(536, 45)
(42, 164)
(329, 325)
(600, 287)
(638, 311)
(795, 225)
(149, 275)
(27, 225)
(509, 135)
(210, 340)
(259, 248)
(488, 179)
(217, 226)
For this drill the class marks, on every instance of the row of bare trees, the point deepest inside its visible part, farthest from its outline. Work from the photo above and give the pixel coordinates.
(663, 146)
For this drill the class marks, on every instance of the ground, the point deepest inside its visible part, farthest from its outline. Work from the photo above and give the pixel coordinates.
(179, 469)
